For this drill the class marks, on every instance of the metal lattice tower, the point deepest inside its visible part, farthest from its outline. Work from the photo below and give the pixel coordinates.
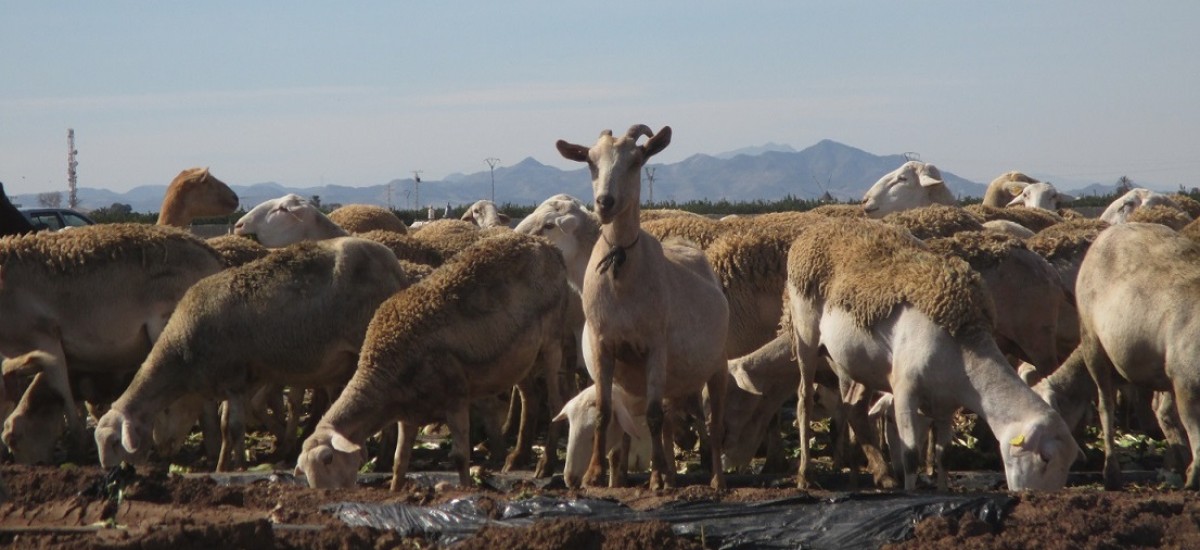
(72, 198)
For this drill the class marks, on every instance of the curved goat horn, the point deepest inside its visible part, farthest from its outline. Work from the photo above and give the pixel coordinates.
(638, 130)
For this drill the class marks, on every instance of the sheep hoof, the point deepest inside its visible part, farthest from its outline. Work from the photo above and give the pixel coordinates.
(592, 477)
(1112, 475)
(886, 482)
(657, 483)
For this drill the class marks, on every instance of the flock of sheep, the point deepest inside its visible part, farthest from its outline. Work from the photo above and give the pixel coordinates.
(904, 309)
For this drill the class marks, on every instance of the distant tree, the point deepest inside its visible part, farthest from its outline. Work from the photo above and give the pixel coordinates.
(120, 213)
(316, 201)
(50, 200)
(1124, 185)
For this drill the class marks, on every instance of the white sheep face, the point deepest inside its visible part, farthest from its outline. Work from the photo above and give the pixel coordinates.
(909, 186)
(31, 437)
(277, 223)
(486, 214)
(119, 439)
(1041, 195)
(583, 417)
(326, 467)
(557, 220)
(1038, 456)
(1118, 211)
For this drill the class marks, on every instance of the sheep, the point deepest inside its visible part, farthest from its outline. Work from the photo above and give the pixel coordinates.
(697, 229)
(581, 413)
(1118, 210)
(12, 222)
(893, 316)
(935, 220)
(1040, 195)
(1172, 217)
(1152, 345)
(289, 219)
(1035, 219)
(91, 301)
(296, 316)
(485, 213)
(449, 236)
(839, 210)
(1065, 244)
(195, 193)
(912, 185)
(1009, 228)
(655, 311)
(406, 247)
(475, 327)
(1005, 187)
(361, 218)
(651, 214)
(1191, 230)
(1187, 204)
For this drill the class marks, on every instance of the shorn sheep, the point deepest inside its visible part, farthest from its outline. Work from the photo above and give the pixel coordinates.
(297, 316)
(195, 193)
(655, 313)
(289, 219)
(90, 302)
(475, 327)
(1130, 287)
(485, 213)
(893, 316)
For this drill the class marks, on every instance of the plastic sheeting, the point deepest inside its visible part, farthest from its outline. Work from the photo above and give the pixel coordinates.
(857, 520)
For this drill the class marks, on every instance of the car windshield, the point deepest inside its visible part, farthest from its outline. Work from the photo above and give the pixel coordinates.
(75, 220)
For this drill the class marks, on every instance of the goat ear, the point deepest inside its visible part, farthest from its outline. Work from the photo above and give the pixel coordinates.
(658, 142)
(341, 443)
(571, 151)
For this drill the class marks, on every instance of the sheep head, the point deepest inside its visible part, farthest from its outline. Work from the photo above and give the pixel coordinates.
(1118, 211)
(1038, 195)
(278, 222)
(120, 438)
(583, 416)
(909, 186)
(199, 194)
(329, 460)
(1037, 455)
(616, 165)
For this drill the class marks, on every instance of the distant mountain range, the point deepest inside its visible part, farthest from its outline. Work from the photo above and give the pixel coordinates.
(769, 172)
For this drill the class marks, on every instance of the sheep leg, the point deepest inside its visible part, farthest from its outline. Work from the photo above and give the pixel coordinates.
(1176, 455)
(775, 461)
(907, 426)
(668, 437)
(855, 407)
(618, 462)
(458, 419)
(1101, 368)
(1187, 400)
(552, 357)
(605, 362)
(716, 425)
(656, 369)
(523, 448)
(233, 435)
(406, 437)
(943, 432)
(210, 427)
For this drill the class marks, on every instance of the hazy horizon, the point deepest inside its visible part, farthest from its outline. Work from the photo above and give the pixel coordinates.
(306, 94)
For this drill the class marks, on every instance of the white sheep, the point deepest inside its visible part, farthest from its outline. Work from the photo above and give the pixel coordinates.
(296, 316)
(90, 302)
(1041, 195)
(485, 213)
(893, 316)
(1134, 284)
(912, 185)
(1118, 210)
(475, 327)
(286, 220)
(656, 313)
(1004, 187)
(627, 437)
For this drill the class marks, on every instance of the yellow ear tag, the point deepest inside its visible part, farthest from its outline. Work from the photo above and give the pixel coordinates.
(1019, 440)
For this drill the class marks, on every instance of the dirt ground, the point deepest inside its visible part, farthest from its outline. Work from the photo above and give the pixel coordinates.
(75, 507)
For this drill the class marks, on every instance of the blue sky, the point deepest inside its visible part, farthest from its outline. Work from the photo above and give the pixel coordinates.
(305, 93)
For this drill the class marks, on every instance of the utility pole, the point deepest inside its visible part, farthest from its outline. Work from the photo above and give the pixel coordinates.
(650, 180)
(492, 162)
(417, 186)
(72, 199)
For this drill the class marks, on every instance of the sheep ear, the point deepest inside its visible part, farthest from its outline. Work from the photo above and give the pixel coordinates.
(881, 406)
(658, 142)
(129, 439)
(1064, 198)
(1015, 187)
(562, 415)
(341, 443)
(930, 176)
(567, 224)
(467, 216)
(504, 219)
(1018, 200)
(630, 426)
(570, 151)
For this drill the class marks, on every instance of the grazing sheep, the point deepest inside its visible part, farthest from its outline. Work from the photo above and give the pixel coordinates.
(485, 213)
(297, 316)
(935, 220)
(1035, 219)
(1152, 344)
(912, 185)
(289, 219)
(651, 214)
(1118, 210)
(627, 437)
(361, 218)
(1040, 195)
(91, 301)
(12, 222)
(236, 250)
(1191, 230)
(1005, 187)
(697, 229)
(893, 316)
(449, 236)
(1065, 244)
(475, 327)
(195, 193)
(655, 311)
(1172, 217)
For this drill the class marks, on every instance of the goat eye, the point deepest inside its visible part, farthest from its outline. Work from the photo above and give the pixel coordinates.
(548, 226)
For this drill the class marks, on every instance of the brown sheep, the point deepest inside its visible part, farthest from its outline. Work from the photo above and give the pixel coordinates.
(360, 218)
(1036, 219)
(936, 220)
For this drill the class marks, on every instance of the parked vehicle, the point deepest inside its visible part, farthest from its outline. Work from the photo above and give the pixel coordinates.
(55, 218)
